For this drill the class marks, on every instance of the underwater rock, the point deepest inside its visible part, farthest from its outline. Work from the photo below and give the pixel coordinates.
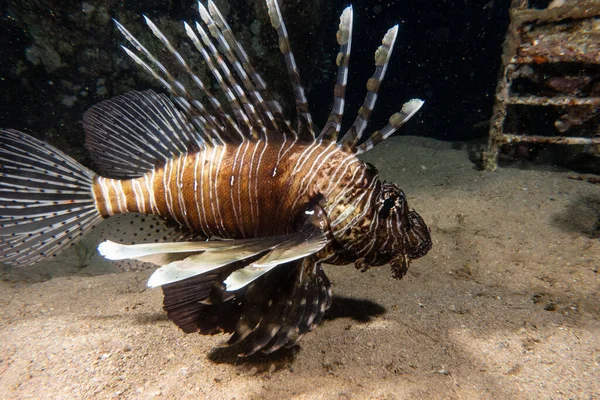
(44, 55)
(55, 39)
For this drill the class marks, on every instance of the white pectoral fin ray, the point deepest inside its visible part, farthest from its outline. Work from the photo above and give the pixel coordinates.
(182, 260)
(300, 246)
(202, 263)
(117, 251)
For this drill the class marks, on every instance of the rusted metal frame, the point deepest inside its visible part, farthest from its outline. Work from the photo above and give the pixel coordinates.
(580, 9)
(569, 140)
(520, 15)
(519, 4)
(590, 179)
(489, 158)
(559, 101)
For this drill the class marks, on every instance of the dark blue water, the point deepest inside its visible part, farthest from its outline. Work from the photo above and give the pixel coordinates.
(60, 58)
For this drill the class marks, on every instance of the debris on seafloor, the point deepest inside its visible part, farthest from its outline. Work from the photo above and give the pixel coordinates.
(549, 86)
(589, 179)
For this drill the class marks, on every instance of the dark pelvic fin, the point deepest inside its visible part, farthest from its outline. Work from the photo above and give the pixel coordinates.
(46, 200)
(130, 134)
(278, 310)
(272, 312)
(183, 304)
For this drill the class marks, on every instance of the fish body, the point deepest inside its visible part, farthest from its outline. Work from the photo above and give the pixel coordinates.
(262, 204)
(228, 191)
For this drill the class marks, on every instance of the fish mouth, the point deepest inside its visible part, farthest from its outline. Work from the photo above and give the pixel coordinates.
(418, 241)
(420, 249)
(417, 244)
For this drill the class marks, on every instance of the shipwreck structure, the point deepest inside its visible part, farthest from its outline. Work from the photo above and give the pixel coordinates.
(549, 85)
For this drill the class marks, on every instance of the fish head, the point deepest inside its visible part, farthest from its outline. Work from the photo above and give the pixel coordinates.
(399, 234)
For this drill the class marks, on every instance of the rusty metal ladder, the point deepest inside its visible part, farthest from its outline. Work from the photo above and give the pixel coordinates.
(566, 35)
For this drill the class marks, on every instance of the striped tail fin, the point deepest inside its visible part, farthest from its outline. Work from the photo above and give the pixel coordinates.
(46, 199)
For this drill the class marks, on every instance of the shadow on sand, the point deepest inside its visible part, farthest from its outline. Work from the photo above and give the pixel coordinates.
(581, 216)
(342, 307)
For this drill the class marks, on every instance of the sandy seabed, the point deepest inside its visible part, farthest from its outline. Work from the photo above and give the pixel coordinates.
(506, 305)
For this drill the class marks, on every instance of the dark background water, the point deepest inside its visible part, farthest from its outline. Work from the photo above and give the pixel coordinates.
(447, 53)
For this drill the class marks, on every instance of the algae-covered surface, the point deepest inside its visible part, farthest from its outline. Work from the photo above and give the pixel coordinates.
(506, 305)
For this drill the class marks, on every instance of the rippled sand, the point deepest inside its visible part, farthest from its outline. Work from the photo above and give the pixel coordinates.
(506, 305)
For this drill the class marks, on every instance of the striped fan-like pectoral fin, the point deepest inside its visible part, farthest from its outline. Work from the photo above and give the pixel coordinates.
(305, 123)
(46, 199)
(344, 37)
(278, 310)
(184, 302)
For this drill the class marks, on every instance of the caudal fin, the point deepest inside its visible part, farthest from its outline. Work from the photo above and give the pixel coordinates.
(46, 199)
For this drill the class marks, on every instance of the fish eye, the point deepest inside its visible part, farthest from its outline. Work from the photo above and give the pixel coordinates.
(386, 208)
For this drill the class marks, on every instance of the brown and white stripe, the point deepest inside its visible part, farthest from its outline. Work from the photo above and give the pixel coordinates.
(233, 192)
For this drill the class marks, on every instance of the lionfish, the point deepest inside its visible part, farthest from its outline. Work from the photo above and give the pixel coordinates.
(264, 204)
